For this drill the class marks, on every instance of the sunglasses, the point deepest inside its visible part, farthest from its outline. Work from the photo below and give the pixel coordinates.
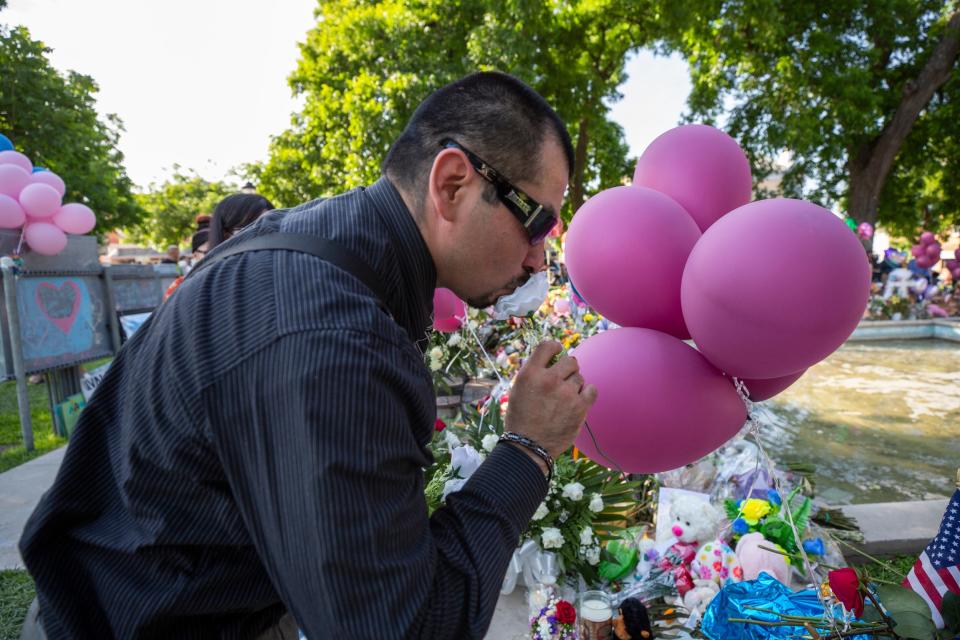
(536, 219)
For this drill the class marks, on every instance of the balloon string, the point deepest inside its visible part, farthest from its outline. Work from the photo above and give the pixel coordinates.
(754, 426)
(20, 243)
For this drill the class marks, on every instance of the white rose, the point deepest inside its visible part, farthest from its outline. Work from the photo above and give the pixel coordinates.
(593, 555)
(454, 340)
(586, 536)
(490, 441)
(451, 439)
(436, 353)
(541, 512)
(552, 538)
(435, 365)
(466, 460)
(596, 503)
(573, 491)
(543, 628)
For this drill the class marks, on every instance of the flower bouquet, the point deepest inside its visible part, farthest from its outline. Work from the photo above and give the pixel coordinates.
(556, 621)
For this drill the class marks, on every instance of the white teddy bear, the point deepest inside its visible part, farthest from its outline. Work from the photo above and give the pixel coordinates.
(699, 562)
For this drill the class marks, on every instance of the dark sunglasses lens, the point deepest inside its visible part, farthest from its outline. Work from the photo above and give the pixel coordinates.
(541, 227)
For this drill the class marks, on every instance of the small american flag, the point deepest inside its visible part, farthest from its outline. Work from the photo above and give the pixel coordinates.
(937, 570)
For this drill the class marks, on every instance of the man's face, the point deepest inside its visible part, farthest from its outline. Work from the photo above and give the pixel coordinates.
(496, 249)
(173, 253)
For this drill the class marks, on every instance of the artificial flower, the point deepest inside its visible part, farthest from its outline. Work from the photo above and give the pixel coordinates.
(814, 547)
(566, 614)
(740, 526)
(551, 538)
(596, 503)
(586, 536)
(845, 585)
(593, 555)
(754, 509)
(573, 491)
(774, 497)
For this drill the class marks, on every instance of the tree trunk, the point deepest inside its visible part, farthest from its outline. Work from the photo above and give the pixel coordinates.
(870, 165)
(579, 166)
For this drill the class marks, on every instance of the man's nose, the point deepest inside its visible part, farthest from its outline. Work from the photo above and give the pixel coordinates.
(536, 258)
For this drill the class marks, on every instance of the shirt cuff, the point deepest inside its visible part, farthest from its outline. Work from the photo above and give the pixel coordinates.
(511, 479)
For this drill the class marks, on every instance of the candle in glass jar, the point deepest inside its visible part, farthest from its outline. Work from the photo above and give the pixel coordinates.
(596, 611)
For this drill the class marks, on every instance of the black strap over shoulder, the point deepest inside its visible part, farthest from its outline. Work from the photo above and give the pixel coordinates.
(313, 245)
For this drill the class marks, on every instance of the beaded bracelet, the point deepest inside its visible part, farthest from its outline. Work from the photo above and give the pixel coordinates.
(532, 445)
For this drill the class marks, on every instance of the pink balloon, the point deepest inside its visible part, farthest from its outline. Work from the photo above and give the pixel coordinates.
(40, 200)
(927, 237)
(774, 287)
(625, 253)
(918, 250)
(17, 159)
(11, 213)
(933, 251)
(701, 167)
(75, 218)
(50, 178)
(759, 390)
(448, 310)
(13, 179)
(660, 404)
(45, 238)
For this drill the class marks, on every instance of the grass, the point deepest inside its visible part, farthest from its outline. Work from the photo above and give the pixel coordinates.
(12, 452)
(16, 594)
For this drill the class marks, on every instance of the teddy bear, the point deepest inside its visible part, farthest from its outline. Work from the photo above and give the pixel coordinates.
(692, 520)
(753, 559)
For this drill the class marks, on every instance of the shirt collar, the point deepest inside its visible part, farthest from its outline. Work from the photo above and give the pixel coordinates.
(412, 302)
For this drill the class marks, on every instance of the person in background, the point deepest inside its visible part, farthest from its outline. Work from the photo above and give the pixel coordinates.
(233, 214)
(173, 255)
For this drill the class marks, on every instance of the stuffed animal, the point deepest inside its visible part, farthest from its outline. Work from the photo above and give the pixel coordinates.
(699, 597)
(717, 562)
(693, 520)
(753, 559)
(633, 623)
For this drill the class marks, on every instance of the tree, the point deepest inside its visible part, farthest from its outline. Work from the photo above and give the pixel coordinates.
(172, 207)
(366, 66)
(860, 94)
(52, 118)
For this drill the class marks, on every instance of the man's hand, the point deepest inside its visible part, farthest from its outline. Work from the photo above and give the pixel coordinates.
(548, 403)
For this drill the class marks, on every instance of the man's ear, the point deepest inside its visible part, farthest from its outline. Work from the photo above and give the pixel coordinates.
(450, 173)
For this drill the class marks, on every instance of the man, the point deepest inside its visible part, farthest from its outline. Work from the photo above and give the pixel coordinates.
(172, 256)
(259, 448)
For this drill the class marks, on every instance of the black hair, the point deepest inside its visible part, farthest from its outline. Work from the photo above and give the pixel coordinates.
(235, 212)
(495, 115)
(635, 618)
(198, 238)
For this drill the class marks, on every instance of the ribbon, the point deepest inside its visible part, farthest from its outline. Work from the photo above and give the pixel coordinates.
(535, 565)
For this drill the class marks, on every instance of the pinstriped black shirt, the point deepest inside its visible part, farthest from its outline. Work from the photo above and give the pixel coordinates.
(258, 447)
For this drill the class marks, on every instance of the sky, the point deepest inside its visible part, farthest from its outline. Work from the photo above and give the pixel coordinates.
(203, 83)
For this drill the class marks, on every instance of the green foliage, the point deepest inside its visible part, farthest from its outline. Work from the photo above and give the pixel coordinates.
(52, 118)
(910, 613)
(366, 66)
(171, 208)
(16, 594)
(821, 81)
(12, 452)
(951, 612)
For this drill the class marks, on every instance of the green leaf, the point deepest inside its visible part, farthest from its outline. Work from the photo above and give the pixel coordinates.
(950, 610)
(914, 625)
(898, 600)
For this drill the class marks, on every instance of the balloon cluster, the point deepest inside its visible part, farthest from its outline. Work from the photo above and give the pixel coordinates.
(927, 251)
(765, 289)
(32, 198)
(953, 266)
